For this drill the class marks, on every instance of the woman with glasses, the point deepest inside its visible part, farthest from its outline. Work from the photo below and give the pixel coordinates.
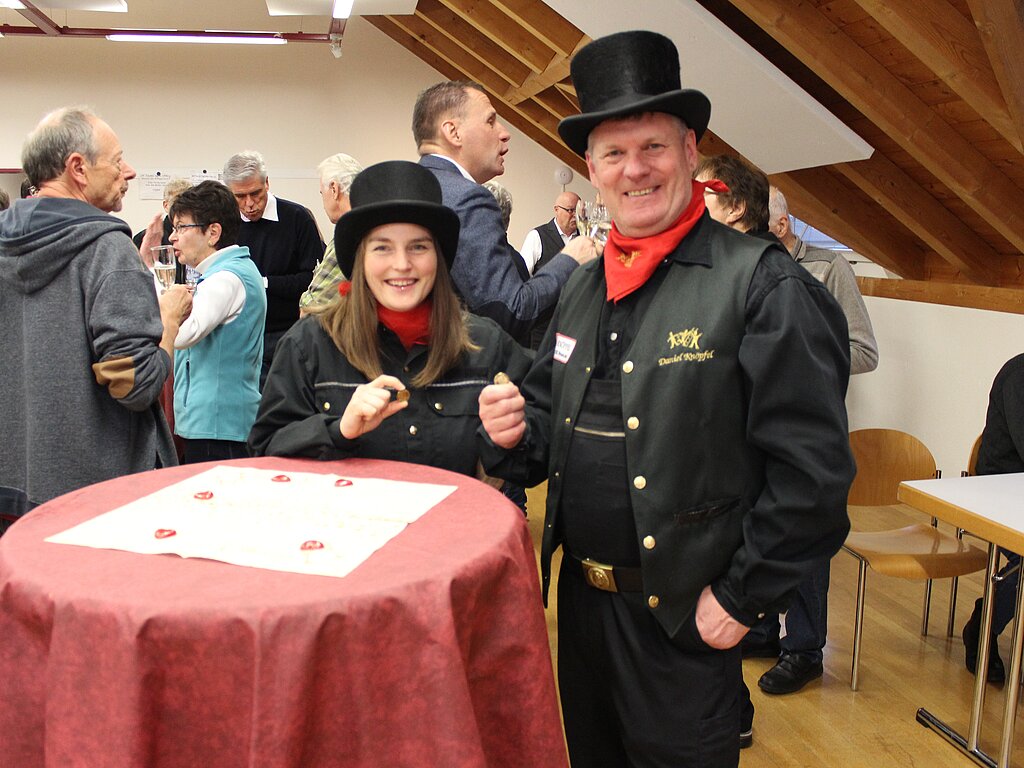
(219, 347)
(393, 368)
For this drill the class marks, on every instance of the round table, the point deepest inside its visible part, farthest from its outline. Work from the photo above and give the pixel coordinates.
(431, 653)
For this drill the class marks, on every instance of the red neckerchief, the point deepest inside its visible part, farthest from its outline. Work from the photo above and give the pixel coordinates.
(629, 262)
(412, 327)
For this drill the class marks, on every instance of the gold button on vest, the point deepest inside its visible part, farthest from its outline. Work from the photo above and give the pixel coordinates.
(653, 601)
(627, 367)
(633, 422)
(639, 482)
(649, 542)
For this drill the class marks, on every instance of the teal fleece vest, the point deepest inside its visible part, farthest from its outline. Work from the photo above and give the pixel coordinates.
(216, 381)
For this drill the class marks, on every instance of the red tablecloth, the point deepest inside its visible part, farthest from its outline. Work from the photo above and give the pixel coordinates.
(432, 653)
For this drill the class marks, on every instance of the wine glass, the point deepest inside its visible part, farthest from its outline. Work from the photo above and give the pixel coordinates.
(164, 264)
(594, 221)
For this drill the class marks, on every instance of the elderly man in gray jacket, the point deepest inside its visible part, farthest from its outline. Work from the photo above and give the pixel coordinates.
(87, 344)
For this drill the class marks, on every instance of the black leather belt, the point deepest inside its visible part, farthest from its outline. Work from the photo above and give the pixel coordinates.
(609, 578)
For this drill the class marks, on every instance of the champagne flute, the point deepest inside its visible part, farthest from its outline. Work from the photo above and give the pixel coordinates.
(164, 264)
(594, 221)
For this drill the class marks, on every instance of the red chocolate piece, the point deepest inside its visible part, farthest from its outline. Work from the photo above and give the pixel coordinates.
(280, 479)
(204, 495)
(309, 545)
(165, 533)
(342, 483)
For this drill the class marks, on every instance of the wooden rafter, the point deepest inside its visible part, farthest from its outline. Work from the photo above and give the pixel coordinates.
(815, 195)
(948, 44)
(950, 294)
(449, 24)
(918, 129)
(553, 75)
(1001, 24)
(529, 118)
(544, 23)
(503, 31)
(925, 216)
(40, 19)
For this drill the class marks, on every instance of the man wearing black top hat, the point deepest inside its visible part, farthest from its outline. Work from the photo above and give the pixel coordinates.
(687, 410)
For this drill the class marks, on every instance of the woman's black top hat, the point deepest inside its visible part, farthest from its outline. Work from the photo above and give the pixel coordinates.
(393, 192)
(624, 74)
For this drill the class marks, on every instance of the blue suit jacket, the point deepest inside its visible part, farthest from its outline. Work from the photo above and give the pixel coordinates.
(484, 269)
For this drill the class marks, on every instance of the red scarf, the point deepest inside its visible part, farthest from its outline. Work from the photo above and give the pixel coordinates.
(412, 327)
(629, 261)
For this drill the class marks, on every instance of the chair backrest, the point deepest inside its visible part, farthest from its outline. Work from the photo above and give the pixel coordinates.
(885, 458)
(972, 462)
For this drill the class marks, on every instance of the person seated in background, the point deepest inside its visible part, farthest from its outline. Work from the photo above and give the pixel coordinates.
(337, 173)
(220, 345)
(1001, 452)
(5, 200)
(172, 189)
(392, 369)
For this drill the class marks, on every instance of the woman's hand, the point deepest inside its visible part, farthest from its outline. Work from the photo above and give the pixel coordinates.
(370, 404)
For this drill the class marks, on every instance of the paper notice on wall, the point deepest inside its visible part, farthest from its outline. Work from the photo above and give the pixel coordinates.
(300, 522)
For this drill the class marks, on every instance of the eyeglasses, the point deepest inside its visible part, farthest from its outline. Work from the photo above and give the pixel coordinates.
(176, 229)
(567, 210)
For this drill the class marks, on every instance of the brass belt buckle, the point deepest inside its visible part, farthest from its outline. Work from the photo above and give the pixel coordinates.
(599, 575)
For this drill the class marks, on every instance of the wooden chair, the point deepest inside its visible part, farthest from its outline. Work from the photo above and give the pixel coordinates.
(886, 457)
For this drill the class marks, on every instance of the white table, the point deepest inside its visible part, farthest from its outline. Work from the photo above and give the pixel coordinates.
(992, 508)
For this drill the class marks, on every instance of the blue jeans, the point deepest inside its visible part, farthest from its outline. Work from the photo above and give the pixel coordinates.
(806, 619)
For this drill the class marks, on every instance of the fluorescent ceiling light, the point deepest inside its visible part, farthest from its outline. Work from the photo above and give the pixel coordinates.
(213, 39)
(342, 9)
(12, 4)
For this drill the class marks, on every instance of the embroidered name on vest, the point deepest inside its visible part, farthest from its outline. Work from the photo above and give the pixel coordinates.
(689, 340)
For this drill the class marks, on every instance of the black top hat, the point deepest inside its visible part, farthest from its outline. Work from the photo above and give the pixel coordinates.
(395, 191)
(624, 74)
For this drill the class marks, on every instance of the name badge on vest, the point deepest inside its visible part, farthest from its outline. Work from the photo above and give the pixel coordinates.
(563, 348)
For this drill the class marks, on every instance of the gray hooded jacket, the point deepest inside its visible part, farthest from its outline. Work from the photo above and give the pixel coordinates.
(81, 368)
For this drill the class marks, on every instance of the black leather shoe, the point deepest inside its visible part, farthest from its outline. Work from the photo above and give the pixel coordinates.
(760, 649)
(971, 635)
(747, 738)
(791, 673)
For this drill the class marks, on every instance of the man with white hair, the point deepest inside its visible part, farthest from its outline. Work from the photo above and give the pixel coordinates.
(800, 651)
(283, 241)
(87, 344)
(337, 173)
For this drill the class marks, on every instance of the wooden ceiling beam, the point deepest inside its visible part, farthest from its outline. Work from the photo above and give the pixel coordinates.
(472, 41)
(866, 84)
(504, 31)
(555, 74)
(950, 294)
(469, 67)
(40, 19)
(526, 118)
(815, 196)
(1001, 26)
(949, 45)
(558, 33)
(926, 217)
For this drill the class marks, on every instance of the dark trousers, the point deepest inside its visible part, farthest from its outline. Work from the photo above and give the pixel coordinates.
(1004, 602)
(631, 696)
(213, 450)
(806, 619)
(270, 339)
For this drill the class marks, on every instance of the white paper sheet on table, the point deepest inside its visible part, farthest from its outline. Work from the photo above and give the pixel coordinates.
(255, 518)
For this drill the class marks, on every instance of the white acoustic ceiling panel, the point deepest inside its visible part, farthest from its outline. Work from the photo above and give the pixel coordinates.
(756, 108)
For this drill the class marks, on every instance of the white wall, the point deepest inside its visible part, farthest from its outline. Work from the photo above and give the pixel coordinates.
(180, 106)
(935, 369)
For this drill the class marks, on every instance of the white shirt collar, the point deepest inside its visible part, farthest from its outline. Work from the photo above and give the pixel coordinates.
(462, 170)
(270, 212)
